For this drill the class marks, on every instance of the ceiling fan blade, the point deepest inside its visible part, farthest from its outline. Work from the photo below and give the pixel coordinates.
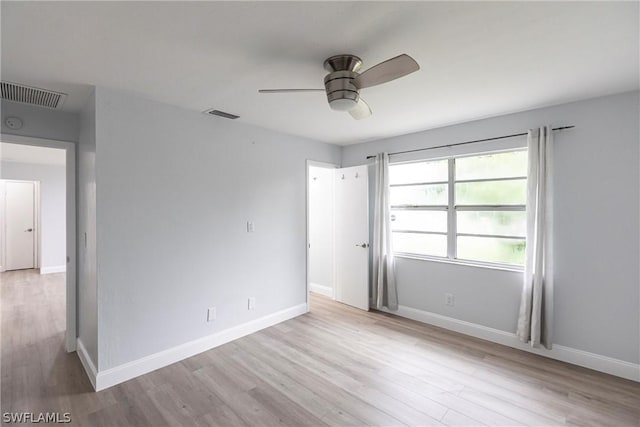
(386, 71)
(289, 90)
(360, 111)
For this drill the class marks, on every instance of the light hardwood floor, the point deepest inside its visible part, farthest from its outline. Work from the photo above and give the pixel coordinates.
(333, 366)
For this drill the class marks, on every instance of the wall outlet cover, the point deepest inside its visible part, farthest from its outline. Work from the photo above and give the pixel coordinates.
(449, 299)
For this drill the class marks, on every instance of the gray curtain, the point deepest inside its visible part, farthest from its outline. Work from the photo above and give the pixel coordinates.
(384, 293)
(536, 304)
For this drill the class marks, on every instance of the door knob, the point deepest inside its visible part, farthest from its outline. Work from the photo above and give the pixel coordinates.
(364, 245)
(29, 230)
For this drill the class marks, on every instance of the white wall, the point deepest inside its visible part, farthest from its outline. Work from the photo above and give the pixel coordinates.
(52, 179)
(40, 122)
(86, 232)
(597, 249)
(321, 231)
(174, 190)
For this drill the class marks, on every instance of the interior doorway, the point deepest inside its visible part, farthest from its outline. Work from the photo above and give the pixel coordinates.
(338, 234)
(321, 228)
(46, 169)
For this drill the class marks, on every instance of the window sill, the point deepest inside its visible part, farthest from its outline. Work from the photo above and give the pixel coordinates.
(511, 268)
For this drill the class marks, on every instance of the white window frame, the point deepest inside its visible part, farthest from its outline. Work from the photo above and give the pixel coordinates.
(451, 208)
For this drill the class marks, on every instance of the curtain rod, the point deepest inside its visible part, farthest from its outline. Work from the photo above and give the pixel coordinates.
(469, 142)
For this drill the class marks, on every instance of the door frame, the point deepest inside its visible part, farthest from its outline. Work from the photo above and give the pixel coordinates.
(71, 332)
(325, 165)
(37, 245)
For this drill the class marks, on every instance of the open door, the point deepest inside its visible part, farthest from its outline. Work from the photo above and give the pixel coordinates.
(352, 236)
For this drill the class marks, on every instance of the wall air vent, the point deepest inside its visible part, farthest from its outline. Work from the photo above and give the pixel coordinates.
(221, 114)
(32, 95)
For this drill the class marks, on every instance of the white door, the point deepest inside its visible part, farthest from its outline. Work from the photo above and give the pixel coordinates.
(20, 224)
(352, 236)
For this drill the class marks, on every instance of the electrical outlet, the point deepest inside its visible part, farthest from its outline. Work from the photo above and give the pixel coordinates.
(449, 299)
(252, 303)
(250, 227)
(211, 314)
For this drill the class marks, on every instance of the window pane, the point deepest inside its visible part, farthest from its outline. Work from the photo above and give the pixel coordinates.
(415, 195)
(435, 171)
(420, 244)
(419, 220)
(492, 193)
(504, 251)
(503, 223)
(498, 165)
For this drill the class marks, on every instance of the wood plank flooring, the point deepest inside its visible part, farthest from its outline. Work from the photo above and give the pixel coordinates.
(336, 366)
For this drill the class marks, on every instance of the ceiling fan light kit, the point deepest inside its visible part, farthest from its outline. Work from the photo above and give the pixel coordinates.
(343, 83)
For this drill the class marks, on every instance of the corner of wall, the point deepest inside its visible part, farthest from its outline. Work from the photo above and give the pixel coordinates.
(86, 218)
(87, 363)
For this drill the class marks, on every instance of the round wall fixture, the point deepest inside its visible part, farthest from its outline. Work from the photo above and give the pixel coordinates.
(13, 122)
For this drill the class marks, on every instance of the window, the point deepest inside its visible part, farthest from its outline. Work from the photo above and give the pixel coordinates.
(464, 208)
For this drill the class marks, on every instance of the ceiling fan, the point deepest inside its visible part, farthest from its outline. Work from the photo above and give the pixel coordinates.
(343, 83)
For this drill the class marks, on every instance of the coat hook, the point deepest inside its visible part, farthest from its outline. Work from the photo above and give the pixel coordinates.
(342, 176)
(356, 174)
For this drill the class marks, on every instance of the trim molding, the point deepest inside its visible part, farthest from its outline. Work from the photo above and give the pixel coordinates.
(597, 362)
(87, 363)
(327, 291)
(119, 374)
(53, 269)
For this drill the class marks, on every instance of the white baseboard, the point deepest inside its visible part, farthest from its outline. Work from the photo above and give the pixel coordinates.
(327, 291)
(53, 269)
(87, 363)
(110, 377)
(574, 356)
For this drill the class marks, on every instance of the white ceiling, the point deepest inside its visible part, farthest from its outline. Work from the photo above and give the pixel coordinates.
(30, 154)
(478, 59)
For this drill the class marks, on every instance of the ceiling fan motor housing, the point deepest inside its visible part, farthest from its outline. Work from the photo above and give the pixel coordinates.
(342, 94)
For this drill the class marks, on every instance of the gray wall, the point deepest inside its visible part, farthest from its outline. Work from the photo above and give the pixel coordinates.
(86, 231)
(53, 220)
(174, 191)
(41, 122)
(597, 230)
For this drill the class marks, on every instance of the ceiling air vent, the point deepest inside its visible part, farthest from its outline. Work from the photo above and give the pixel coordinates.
(221, 114)
(32, 95)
